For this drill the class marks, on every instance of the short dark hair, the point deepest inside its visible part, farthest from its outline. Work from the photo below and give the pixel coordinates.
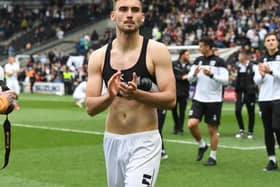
(182, 52)
(207, 41)
(115, 1)
(271, 34)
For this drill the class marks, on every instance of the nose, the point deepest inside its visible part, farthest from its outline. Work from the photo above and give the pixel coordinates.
(129, 13)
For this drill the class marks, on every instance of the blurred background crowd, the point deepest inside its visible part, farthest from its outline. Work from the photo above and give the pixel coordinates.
(230, 23)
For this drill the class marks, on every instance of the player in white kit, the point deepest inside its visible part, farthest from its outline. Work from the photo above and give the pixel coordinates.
(79, 93)
(11, 70)
(132, 143)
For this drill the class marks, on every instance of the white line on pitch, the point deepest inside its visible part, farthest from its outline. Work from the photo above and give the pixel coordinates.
(58, 129)
(223, 146)
(101, 133)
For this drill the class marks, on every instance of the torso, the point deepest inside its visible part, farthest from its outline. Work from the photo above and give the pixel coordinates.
(207, 89)
(12, 68)
(129, 116)
(270, 88)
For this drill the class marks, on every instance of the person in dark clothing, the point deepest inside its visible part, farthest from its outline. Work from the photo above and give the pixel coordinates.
(246, 91)
(267, 77)
(68, 81)
(181, 68)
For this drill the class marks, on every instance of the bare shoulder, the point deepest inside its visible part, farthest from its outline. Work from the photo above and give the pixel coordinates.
(158, 51)
(97, 57)
(155, 46)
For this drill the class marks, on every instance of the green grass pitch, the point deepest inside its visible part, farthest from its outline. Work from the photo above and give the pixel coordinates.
(56, 144)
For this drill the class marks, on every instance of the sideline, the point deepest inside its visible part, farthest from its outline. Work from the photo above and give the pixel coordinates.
(101, 133)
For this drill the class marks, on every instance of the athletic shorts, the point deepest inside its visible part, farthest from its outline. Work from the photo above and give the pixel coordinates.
(132, 160)
(210, 111)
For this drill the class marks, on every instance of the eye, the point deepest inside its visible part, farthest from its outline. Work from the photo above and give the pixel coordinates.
(135, 9)
(123, 9)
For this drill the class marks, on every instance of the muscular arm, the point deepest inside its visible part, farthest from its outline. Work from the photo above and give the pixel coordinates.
(95, 102)
(166, 96)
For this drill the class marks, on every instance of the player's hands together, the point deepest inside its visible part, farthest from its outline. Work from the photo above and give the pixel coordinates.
(114, 84)
(264, 69)
(207, 72)
(127, 90)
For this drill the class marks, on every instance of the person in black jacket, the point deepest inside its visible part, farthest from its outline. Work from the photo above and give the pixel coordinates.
(181, 68)
(246, 91)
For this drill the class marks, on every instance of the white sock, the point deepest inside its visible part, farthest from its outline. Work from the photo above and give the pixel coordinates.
(201, 143)
(213, 154)
(273, 158)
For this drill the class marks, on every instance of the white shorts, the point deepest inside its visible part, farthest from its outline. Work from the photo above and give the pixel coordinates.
(132, 160)
(13, 85)
(79, 96)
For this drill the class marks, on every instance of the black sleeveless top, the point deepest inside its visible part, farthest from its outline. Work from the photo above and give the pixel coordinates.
(140, 68)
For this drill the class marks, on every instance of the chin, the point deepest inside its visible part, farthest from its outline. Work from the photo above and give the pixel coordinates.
(130, 31)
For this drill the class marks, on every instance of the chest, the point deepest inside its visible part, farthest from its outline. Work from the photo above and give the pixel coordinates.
(124, 60)
(133, 61)
(11, 67)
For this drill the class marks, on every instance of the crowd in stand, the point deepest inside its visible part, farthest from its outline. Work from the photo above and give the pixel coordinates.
(228, 22)
(174, 22)
(48, 22)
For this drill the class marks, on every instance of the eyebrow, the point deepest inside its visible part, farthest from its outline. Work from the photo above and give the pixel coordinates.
(134, 8)
(271, 39)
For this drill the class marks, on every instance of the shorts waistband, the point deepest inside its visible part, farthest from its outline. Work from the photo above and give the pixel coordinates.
(113, 135)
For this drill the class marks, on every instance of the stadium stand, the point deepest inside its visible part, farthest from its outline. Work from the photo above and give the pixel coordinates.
(173, 22)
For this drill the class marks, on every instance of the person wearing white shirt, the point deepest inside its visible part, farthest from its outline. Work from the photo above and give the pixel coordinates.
(210, 74)
(11, 71)
(79, 94)
(267, 76)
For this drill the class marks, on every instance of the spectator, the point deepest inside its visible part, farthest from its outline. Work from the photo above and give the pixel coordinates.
(181, 68)
(246, 91)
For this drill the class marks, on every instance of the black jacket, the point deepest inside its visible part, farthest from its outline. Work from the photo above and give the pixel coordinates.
(182, 86)
(245, 81)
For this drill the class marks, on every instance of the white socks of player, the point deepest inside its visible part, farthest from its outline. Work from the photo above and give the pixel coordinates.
(201, 143)
(213, 154)
(273, 158)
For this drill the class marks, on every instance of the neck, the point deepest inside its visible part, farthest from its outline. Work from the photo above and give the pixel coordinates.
(272, 52)
(182, 61)
(245, 62)
(128, 41)
(208, 53)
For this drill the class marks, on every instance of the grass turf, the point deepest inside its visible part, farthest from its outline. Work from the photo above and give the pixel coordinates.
(56, 157)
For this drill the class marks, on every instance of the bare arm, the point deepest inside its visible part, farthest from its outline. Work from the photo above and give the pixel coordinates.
(166, 96)
(95, 102)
